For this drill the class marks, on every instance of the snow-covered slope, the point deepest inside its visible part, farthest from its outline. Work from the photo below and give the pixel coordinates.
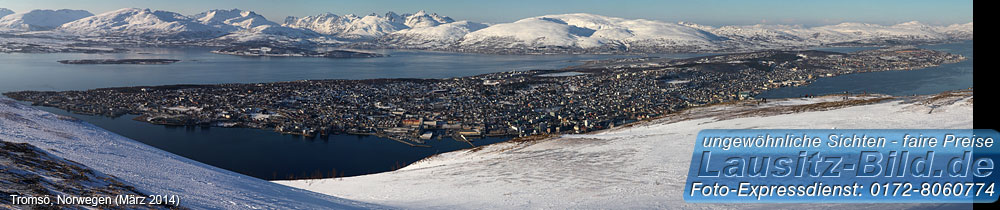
(846, 32)
(561, 33)
(422, 19)
(588, 31)
(5, 12)
(26, 170)
(440, 36)
(39, 19)
(368, 27)
(793, 36)
(200, 186)
(248, 26)
(767, 35)
(639, 167)
(142, 23)
(232, 20)
(348, 26)
(959, 31)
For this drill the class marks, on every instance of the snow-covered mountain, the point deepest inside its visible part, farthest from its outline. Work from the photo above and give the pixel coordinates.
(422, 19)
(248, 26)
(228, 25)
(348, 26)
(643, 166)
(958, 31)
(5, 12)
(789, 35)
(766, 35)
(232, 20)
(365, 28)
(432, 37)
(39, 19)
(588, 31)
(142, 23)
(848, 32)
(579, 32)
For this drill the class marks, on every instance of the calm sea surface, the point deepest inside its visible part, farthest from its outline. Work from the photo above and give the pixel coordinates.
(269, 155)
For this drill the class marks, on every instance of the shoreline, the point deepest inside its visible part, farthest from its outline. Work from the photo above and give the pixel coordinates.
(181, 119)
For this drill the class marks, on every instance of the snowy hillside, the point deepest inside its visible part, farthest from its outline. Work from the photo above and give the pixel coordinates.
(39, 19)
(368, 27)
(959, 31)
(588, 31)
(152, 170)
(5, 12)
(639, 167)
(30, 171)
(433, 37)
(422, 19)
(232, 20)
(142, 23)
(248, 26)
(582, 32)
(560, 33)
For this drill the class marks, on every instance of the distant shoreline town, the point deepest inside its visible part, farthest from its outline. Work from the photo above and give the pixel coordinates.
(595, 96)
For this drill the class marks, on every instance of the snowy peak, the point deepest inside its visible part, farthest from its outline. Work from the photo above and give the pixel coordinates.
(959, 31)
(431, 37)
(140, 22)
(583, 30)
(233, 17)
(422, 19)
(40, 20)
(5, 12)
(371, 26)
(560, 33)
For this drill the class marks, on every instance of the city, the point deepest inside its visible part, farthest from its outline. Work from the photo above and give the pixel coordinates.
(579, 99)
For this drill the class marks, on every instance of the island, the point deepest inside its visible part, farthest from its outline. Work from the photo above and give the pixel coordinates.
(595, 96)
(120, 61)
(280, 51)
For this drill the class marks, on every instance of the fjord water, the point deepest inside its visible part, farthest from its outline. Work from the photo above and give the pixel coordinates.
(269, 155)
(199, 66)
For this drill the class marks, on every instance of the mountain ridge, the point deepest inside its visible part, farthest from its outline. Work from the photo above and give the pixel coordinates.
(558, 33)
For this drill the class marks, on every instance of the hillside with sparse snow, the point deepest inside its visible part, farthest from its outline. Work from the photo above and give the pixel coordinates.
(642, 166)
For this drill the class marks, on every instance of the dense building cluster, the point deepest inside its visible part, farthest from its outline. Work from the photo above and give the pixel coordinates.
(518, 103)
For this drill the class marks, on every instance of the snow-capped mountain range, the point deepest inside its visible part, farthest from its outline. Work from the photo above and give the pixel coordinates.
(38, 20)
(141, 23)
(578, 32)
(368, 27)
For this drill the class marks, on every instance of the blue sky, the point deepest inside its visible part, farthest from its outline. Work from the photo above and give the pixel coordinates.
(708, 12)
